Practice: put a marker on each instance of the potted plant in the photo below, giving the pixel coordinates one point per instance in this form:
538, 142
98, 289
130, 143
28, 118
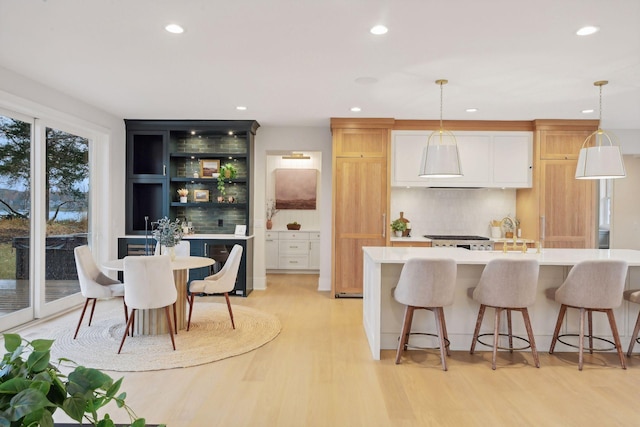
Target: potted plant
168, 234
398, 227
227, 171
32, 388
271, 211
183, 193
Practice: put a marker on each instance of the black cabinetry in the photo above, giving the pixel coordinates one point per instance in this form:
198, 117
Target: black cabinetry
164, 156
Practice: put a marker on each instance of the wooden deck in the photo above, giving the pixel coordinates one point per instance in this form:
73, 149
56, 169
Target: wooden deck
14, 294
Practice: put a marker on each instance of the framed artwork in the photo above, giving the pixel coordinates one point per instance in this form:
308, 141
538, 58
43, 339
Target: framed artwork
296, 188
201, 195
209, 168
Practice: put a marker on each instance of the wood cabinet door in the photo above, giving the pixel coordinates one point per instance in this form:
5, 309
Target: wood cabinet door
361, 142
567, 206
561, 145
360, 217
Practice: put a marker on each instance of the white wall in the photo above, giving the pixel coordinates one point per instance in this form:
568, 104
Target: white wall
28, 97
625, 211
629, 140
277, 140
452, 211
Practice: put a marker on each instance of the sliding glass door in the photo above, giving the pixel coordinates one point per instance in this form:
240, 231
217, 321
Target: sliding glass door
16, 288
44, 215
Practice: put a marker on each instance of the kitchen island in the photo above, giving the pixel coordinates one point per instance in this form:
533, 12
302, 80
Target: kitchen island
382, 315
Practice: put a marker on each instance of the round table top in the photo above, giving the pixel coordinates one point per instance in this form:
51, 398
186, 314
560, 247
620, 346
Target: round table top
179, 263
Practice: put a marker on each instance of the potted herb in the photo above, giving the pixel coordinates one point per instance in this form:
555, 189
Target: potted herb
227, 171
398, 226
32, 388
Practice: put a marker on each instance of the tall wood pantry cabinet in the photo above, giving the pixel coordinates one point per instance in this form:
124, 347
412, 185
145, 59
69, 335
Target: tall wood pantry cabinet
360, 197
559, 210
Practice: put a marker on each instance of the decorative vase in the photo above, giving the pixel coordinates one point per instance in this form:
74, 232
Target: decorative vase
269, 224
183, 199
172, 252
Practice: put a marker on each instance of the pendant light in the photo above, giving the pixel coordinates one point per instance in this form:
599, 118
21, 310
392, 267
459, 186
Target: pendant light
440, 158
603, 160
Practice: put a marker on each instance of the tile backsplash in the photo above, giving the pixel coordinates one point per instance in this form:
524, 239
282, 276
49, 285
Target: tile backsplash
452, 211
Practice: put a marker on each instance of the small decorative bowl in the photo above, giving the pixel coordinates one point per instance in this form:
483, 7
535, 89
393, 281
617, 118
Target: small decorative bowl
293, 226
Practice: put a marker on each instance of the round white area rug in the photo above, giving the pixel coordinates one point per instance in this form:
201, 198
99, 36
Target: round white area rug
210, 338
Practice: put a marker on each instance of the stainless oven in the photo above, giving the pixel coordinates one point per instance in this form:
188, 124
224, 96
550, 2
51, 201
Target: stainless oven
473, 243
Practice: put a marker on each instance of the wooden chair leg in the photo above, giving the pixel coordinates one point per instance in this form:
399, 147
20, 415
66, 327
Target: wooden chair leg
126, 329
444, 329
616, 337
190, 310
496, 336
590, 322
404, 334
476, 332
581, 343
509, 330
556, 332
437, 313
532, 340
636, 329
86, 302
93, 307
226, 296
166, 312
175, 319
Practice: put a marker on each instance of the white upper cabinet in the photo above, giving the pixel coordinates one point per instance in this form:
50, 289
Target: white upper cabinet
488, 159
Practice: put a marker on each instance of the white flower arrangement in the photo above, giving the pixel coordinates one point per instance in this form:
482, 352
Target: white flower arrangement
168, 233
271, 209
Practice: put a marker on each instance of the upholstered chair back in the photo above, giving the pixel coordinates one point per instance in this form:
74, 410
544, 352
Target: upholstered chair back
427, 282
594, 284
148, 282
93, 283
225, 279
508, 283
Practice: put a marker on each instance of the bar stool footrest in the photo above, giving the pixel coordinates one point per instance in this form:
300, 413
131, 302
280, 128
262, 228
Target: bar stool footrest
505, 348
447, 343
613, 345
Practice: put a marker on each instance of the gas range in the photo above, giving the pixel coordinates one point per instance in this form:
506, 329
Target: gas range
474, 243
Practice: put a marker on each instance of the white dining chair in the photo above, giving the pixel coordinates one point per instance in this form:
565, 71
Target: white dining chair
149, 284
94, 284
222, 282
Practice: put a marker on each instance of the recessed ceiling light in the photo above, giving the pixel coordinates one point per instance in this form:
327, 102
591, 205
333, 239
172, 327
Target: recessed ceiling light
589, 111
241, 108
587, 31
379, 30
356, 109
174, 28
471, 110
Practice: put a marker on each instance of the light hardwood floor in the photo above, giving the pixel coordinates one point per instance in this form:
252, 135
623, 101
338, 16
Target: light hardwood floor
319, 372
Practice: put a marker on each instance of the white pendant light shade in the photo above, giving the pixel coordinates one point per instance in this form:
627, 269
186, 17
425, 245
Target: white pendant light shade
603, 160
440, 158
600, 162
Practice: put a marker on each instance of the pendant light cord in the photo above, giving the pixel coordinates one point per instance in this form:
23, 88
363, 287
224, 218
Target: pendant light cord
441, 127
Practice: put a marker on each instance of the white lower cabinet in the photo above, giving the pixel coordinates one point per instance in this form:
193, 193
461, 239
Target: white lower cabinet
292, 250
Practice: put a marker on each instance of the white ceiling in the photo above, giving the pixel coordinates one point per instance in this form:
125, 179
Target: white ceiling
297, 62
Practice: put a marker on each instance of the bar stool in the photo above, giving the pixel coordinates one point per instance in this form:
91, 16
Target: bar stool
427, 284
633, 295
507, 285
591, 286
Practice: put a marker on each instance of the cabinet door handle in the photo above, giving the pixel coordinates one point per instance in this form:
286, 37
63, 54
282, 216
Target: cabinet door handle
206, 252
164, 170
384, 225
543, 226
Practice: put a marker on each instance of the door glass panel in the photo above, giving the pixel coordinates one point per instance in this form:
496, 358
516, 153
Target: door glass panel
67, 198
15, 229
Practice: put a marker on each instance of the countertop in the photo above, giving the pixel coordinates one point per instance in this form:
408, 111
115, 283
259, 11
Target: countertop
424, 240
395, 255
195, 236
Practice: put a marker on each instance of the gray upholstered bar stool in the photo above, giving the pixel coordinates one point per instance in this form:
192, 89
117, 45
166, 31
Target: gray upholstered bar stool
427, 284
591, 286
507, 285
633, 295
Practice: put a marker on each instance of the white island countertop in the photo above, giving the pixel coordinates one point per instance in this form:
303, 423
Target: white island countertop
383, 316
394, 255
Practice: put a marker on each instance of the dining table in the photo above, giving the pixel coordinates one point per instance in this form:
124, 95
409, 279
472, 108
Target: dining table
153, 321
